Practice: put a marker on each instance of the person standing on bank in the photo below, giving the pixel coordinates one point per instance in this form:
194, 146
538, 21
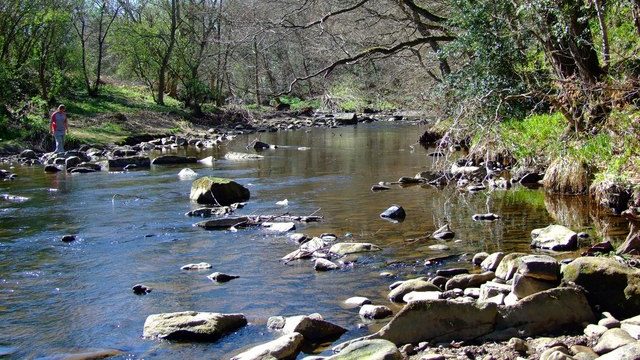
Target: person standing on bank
59, 127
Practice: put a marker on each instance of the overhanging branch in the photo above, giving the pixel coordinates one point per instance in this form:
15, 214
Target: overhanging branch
372, 51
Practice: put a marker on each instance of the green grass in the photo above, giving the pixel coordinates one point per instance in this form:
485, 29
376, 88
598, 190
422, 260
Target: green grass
117, 99
613, 152
535, 137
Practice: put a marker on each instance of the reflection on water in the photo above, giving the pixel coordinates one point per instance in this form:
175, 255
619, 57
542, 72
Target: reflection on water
57, 297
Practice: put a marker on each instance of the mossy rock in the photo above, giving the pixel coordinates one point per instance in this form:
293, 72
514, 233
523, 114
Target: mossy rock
218, 191
610, 286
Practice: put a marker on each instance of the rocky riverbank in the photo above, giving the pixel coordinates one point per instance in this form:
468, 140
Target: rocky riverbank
547, 304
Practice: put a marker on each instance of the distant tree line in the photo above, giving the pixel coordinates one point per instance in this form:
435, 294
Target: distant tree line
485, 59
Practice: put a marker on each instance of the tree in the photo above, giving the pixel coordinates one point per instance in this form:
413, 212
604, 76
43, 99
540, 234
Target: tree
92, 22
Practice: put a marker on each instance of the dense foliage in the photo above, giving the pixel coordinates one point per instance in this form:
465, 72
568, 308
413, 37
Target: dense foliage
486, 60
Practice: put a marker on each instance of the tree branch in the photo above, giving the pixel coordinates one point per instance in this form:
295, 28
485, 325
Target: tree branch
372, 51
327, 16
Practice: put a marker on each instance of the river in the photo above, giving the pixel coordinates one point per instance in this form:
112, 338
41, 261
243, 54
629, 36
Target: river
59, 298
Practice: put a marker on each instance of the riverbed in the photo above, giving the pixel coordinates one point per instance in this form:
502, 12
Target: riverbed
59, 298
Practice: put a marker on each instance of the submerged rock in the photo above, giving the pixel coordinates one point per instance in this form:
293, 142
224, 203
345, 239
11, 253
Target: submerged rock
554, 237
242, 156
212, 190
90, 354
192, 325
222, 223
279, 226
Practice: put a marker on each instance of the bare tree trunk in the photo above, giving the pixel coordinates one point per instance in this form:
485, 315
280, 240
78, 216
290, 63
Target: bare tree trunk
599, 5
257, 69
636, 14
162, 72
218, 76
80, 30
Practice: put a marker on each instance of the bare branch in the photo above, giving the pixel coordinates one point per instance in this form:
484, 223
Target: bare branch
372, 51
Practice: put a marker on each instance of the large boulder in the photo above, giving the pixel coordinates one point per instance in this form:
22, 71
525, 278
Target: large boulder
554, 237
419, 284
284, 347
212, 190
313, 328
192, 325
376, 349
543, 312
438, 321
610, 286
352, 248
172, 159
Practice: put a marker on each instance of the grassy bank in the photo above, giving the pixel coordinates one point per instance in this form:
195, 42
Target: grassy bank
613, 152
121, 111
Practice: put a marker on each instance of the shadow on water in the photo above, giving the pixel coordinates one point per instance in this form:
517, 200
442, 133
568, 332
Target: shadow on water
59, 298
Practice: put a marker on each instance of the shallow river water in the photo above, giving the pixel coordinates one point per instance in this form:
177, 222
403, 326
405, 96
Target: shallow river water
58, 298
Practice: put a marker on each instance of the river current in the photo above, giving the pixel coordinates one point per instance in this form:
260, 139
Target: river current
60, 298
